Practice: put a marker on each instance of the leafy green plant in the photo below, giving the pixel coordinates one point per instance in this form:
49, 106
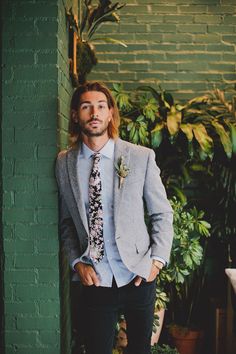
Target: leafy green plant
186, 137
222, 187
195, 145
150, 117
164, 349
93, 15
180, 281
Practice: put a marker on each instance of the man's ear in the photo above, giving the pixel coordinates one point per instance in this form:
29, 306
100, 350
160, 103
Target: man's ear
111, 113
74, 116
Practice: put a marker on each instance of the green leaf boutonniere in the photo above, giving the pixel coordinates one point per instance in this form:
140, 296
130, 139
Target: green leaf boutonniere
122, 170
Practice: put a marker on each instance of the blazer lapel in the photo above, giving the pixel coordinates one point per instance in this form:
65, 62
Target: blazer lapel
120, 150
75, 185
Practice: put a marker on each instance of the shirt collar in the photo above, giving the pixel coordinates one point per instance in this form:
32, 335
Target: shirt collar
107, 150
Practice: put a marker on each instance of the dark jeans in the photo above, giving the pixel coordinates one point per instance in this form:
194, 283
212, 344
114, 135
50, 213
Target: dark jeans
102, 306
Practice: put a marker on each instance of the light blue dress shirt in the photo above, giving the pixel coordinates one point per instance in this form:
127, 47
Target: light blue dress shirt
111, 264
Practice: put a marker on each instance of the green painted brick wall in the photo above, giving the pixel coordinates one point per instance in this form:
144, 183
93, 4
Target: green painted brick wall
36, 90
186, 46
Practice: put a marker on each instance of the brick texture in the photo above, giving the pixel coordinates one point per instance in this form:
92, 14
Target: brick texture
186, 46
36, 90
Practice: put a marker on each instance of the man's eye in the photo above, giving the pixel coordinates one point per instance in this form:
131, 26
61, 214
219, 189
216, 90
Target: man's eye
102, 106
85, 107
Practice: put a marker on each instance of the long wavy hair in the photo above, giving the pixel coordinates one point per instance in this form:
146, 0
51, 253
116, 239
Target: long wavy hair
74, 128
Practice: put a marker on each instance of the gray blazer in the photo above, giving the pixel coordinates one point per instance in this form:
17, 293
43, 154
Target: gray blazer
142, 190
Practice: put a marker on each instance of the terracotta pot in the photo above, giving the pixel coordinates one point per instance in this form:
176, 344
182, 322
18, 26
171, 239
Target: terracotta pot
187, 341
156, 334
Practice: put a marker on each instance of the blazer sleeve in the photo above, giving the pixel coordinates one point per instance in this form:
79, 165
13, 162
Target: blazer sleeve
67, 229
159, 211
68, 233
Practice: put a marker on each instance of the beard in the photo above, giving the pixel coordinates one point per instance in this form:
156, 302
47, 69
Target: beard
91, 131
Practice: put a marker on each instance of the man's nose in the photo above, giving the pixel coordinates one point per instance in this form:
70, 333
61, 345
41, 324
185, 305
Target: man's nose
94, 111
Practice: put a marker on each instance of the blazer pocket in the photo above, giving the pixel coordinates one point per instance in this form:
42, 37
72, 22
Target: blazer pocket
142, 246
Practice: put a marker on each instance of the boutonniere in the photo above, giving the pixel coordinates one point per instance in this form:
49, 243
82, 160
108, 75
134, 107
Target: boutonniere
122, 170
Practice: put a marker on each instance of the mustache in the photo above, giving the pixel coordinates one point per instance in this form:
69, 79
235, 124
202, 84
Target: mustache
94, 119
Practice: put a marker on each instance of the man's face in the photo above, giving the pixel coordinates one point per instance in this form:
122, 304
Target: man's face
93, 113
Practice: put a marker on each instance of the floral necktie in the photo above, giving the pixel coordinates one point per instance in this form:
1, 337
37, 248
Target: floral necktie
96, 240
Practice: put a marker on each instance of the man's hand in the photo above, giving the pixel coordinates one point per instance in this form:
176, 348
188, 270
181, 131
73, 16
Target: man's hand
87, 274
152, 276
154, 273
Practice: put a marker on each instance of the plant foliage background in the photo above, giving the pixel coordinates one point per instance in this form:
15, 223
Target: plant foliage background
195, 145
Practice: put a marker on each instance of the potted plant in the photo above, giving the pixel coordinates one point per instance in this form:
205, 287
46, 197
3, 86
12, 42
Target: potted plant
187, 138
92, 17
179, 284
183, 279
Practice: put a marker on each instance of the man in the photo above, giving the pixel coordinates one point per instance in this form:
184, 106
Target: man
105, 186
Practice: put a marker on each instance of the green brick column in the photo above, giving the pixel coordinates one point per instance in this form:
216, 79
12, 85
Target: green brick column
36, 91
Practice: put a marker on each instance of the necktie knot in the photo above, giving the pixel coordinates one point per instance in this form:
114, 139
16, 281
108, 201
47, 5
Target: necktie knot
96, 158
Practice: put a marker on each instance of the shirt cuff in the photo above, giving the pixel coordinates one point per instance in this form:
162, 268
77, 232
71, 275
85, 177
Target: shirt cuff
160, 260
82, 259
